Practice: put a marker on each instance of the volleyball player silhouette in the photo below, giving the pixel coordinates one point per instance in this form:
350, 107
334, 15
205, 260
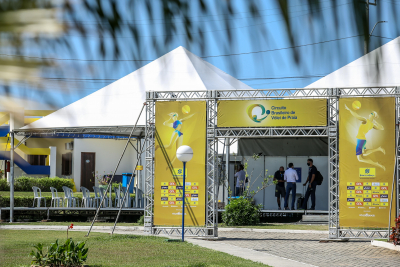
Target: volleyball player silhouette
177, 135
367, 124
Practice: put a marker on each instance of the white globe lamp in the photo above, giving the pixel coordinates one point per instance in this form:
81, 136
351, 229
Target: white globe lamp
184, 153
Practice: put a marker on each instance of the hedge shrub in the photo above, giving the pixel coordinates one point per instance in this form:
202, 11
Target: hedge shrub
4, 185
241, 211
24, 184
22, 201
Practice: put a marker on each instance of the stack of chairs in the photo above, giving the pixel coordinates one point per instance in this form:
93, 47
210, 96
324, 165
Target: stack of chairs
87, 201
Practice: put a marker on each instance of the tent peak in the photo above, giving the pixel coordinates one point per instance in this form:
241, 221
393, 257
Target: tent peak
379, 67
180, 49
119, 103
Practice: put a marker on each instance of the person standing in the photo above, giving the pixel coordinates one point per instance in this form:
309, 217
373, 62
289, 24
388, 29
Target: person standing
290, 177
280, 186
312, 185
240, 181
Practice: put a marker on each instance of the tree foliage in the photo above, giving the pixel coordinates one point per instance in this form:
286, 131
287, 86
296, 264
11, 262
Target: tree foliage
33, 33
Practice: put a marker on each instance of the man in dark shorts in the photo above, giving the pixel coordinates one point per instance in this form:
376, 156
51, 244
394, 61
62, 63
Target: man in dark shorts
280, 186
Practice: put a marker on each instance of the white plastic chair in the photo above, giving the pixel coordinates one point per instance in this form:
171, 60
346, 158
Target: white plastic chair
69, 198
128, 199
97, 198
55, 199
118, 197
86, 199
105, 203
38, 196
140, 199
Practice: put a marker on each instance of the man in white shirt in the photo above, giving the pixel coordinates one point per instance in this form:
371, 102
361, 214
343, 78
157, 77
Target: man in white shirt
290, 178
240, 181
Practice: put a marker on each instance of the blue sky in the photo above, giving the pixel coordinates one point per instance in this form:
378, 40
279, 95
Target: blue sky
252, 68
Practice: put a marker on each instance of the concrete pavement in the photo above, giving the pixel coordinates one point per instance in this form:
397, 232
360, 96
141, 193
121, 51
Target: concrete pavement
306, 248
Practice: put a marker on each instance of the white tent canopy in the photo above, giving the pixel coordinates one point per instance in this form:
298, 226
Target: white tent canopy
380, 67
119, 103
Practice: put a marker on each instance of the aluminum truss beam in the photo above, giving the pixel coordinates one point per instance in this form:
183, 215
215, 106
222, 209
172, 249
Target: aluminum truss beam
290, 93
368, 91
362, 234
333, 163
272, 132
89, 131
212, 167
397, 187
149, 169
189, 231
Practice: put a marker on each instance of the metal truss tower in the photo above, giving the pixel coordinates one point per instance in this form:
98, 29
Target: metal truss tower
215, 133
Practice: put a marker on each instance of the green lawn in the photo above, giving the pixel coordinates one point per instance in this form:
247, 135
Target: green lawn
117, 250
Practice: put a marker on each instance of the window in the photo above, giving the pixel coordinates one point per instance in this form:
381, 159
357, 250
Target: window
66, 164
37, 159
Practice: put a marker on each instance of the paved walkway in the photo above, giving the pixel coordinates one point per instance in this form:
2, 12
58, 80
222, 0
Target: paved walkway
294, 248
306, 248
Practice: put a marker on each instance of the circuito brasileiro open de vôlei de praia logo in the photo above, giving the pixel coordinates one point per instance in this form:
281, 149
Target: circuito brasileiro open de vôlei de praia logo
254, 117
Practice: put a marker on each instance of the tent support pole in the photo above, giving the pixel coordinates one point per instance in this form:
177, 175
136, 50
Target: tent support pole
228, 151
139, 158
116, 168
12, 177
220, 172
135, 148
126, 194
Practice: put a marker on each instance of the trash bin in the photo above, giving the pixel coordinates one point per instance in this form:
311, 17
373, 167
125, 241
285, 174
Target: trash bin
125, 181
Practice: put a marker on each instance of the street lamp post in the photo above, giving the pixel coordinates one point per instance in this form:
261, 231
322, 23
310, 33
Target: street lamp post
367, 39
382, 21
184, 154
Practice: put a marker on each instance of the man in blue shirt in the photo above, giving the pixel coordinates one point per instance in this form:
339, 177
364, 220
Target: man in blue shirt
280, 186
312, 185
290, 177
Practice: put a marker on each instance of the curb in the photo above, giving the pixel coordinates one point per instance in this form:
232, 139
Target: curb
384, 244
289, 231
62, 228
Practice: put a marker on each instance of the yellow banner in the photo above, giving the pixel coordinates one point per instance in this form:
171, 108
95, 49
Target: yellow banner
177, 124
271, 113
367, 157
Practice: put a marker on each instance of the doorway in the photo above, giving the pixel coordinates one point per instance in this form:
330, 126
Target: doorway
88, 164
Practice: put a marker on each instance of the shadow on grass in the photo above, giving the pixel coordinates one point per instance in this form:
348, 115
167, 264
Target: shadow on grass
124, 237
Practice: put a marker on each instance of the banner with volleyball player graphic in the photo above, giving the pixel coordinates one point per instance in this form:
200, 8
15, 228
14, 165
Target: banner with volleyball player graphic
179, 123
367, 157
270, 113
